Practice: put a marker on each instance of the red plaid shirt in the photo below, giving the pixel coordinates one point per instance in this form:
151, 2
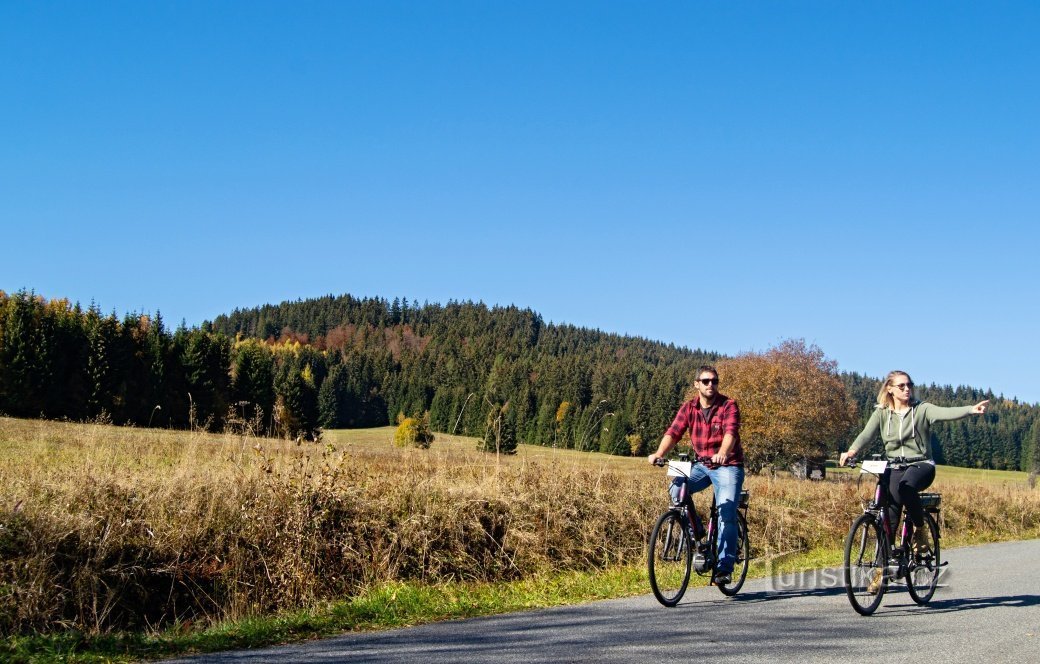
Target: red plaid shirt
706, 434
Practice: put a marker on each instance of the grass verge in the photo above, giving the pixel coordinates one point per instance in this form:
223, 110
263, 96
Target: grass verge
388, 606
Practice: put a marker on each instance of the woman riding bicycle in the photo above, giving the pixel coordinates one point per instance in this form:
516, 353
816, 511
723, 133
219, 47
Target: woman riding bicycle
904, 424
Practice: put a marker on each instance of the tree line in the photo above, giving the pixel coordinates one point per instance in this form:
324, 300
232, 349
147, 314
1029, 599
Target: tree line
343, 362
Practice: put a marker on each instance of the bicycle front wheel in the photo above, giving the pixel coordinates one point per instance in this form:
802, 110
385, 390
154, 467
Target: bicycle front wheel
740, 565
922, 574
669, 558
866, 558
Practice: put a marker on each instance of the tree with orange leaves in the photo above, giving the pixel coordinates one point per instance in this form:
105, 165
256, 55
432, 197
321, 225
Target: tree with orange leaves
793, 404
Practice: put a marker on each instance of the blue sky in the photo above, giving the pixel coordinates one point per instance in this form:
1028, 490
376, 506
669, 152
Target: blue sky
721, 175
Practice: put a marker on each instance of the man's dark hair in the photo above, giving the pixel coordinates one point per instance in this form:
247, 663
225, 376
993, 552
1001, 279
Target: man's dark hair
705, 367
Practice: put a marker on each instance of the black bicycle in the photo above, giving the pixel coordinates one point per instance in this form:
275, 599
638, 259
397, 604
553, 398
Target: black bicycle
679, 544
871, 558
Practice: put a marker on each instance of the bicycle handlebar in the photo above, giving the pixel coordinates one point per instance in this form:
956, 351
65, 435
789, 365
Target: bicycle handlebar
664, 462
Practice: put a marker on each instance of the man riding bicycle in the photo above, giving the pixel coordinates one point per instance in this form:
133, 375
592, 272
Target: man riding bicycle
713, 420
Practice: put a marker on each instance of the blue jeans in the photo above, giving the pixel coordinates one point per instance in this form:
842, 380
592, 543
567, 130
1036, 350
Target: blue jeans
728, 481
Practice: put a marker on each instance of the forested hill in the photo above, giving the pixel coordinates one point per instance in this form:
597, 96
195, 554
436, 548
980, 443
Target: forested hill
560, 380
558, 384
334, 362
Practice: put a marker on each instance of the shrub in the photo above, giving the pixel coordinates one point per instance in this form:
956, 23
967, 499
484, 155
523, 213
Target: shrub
413, 432
635, 444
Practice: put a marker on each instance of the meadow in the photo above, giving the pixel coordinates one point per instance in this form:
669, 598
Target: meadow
108, 530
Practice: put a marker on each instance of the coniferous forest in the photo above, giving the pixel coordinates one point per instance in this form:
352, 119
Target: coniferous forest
341, 362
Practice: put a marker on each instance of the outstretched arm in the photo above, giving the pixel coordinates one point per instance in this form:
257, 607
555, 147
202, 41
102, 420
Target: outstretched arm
947, 413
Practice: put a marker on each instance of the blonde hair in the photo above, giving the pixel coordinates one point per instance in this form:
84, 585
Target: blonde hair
883, 397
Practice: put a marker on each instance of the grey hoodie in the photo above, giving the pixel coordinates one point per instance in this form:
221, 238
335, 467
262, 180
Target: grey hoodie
907, 434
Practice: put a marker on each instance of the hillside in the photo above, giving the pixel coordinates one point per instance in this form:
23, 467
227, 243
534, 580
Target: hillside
446, 353
336, 362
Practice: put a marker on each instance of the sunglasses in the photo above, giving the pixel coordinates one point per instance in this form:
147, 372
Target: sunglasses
903, 386
708, 381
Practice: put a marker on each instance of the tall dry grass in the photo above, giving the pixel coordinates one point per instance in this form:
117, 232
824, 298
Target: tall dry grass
107, 528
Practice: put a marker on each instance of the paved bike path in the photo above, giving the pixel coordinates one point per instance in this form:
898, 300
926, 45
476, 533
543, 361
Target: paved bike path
986, 608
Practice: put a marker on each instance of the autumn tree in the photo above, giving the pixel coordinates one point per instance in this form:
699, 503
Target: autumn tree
413, 432
793, 404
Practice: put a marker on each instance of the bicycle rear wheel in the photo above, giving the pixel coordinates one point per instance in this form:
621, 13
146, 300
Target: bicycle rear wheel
922, 574
740, 565
669, 558
866, 558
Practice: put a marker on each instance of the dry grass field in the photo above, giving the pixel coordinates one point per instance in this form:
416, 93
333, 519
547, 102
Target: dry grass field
105, 528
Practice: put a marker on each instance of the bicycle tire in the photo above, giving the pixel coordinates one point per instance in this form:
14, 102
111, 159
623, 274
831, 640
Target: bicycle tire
866, 562
922, 575
740, 565
669, 558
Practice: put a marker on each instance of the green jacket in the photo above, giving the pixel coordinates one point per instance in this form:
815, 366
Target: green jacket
909, 434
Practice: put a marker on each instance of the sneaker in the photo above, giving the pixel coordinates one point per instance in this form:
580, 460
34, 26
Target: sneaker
875, 582
922, 544
723, 578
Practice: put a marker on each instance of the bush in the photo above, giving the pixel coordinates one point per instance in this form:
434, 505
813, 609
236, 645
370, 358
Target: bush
635, 444
413, 432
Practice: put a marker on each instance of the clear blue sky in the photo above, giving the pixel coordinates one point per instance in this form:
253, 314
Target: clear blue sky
721, 175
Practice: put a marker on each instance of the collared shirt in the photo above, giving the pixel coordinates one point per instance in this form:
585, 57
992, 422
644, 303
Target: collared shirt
706, 434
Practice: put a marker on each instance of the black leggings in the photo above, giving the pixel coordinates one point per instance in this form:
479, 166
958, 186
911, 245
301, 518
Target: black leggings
903, 487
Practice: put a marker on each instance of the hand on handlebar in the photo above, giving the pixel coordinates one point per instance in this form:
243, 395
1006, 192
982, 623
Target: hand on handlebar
656, 460
845, 456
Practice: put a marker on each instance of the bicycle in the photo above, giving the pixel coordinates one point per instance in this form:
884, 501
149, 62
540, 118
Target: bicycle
671, 555
871, 560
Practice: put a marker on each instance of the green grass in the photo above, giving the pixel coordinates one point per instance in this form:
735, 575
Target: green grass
982, 476
956, 474
383, 436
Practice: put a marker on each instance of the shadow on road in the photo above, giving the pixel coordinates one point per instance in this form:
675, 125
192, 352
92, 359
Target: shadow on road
972, 603
772, 595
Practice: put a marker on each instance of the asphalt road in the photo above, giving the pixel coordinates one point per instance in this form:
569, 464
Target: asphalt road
987, 608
